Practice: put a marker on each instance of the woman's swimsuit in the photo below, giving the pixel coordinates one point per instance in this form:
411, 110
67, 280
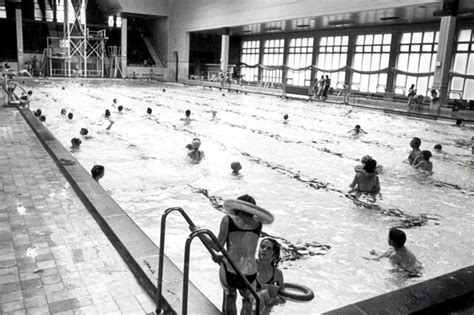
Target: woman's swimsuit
271, 281
234, 280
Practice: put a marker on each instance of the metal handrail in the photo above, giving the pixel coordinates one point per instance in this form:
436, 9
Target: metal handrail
215, 258
213, 238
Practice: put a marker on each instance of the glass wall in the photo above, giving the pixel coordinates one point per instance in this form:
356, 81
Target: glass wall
333, 55
273, 56
417, 54
250, 55
300, 56
372, 52
463, 63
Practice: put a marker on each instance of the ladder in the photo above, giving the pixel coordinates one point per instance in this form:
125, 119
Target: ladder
195, 233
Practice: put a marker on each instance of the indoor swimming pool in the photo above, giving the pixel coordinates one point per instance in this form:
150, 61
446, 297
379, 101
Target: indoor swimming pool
299, 171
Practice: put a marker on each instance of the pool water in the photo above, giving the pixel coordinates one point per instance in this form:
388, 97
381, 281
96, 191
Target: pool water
299, 171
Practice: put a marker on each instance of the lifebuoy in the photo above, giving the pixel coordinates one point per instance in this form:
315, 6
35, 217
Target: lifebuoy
296, 292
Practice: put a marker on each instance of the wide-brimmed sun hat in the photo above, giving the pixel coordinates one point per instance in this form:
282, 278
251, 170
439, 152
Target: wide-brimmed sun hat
263, 215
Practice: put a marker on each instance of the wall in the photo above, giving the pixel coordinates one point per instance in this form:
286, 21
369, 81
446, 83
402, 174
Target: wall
158, 29
197, 15
145, 7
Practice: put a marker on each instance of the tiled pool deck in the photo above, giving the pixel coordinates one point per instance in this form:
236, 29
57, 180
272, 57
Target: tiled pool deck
54, 258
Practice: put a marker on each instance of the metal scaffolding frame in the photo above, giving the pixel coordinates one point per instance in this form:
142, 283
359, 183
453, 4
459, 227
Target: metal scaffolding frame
77, 46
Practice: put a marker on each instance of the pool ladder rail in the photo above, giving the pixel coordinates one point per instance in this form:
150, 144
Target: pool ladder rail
199, 233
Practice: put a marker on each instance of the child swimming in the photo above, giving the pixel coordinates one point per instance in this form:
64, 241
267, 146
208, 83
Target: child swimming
423, 163
236, 167
400, 256
195, 155
367, 181
269, 276
357, 130
415, 144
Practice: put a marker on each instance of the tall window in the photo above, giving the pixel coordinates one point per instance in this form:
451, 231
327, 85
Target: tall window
3, 12
273, 56
300, 56
117, 20
417, 54
372, 53
463, 63
333, 55
59, 11
250, 55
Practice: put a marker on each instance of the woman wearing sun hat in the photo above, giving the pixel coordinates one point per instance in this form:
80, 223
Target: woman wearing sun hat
239, 233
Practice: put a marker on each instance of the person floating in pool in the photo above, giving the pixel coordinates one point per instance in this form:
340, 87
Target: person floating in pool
367, 181
239, 233
357, 130
285, 119
97, 172
194, 154
423, 163
75, 143
360, 168
236, 167
438, 148
400, 256
415, 144
187, 117
269, 276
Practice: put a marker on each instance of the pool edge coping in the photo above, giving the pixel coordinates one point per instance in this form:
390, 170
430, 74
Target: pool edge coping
120, 229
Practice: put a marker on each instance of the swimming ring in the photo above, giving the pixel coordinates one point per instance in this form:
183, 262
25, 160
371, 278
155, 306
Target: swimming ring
296, 292
264, 216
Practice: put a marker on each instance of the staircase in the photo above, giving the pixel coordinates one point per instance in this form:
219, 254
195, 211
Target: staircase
154, 52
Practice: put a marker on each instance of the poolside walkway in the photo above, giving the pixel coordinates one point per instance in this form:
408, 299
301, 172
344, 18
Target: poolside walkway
54, 258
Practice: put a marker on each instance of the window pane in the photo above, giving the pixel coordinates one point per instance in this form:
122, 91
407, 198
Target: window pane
460, 63
378, 39
464, 36
406, 38
416, 39
428, 37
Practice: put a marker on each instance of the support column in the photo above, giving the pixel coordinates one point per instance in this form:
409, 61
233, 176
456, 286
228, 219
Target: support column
124, 45
392, 64
225, 40
19, 37
350, 59
444, 56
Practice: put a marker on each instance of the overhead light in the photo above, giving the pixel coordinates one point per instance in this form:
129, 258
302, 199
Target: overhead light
341, 22
272, 29
389, 18
303, 25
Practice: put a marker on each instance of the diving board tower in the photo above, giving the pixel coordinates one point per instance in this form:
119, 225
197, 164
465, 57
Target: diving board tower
81, 52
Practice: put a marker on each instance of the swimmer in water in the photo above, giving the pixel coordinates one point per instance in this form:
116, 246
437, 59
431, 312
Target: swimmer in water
70, 116
414, 155
367, 181
285, 119
114, 102
269, 276
187, 118
438, 148
357, 130
63, 111
195, 155
97, 172
236, 167
423, 163
400, 256
365, 158
120, 108
75, 143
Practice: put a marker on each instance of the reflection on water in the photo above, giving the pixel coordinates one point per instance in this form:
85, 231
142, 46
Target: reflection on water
299, 171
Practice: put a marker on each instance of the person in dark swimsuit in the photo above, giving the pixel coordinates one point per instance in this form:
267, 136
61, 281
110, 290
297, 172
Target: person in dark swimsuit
239, 234
269, 276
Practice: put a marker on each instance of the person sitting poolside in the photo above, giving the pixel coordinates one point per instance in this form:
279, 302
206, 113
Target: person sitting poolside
367, 181
236, 167
269, 277
194, 154
97, 172
400, 256
423, 163
415, 144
